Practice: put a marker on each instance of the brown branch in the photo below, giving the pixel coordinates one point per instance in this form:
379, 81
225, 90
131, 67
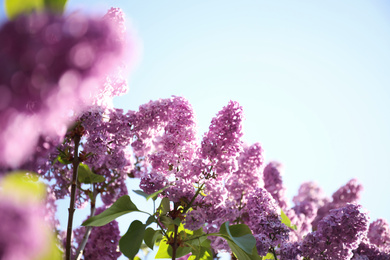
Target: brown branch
71, 209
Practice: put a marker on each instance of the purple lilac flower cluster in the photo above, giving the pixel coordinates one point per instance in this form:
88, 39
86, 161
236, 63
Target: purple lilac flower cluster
263, 218
103, 241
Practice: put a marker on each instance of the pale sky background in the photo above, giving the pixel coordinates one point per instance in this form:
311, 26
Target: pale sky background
312, 76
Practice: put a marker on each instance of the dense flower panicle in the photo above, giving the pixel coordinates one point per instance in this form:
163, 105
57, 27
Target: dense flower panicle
221, 144
165, 136
310, 192
262, 217
248, 176
102, 242
54, 65
369, 251
338, 234
379, 234
349, 193
290, 251
273, 182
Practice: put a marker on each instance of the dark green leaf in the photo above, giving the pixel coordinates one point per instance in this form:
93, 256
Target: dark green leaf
149, 236
203, 253
164, 207
85, 175
131, 242
168, 221
150, 220
180, 251
120, 207
241, 254
241, 235
150, 196
56, 6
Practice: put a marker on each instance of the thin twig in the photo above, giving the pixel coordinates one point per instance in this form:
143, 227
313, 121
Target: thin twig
71, 209
88, 229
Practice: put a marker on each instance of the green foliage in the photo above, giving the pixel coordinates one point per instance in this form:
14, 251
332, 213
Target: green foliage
14, 8
131, 242
57, 6
151, 236
150, 196
240, 240
23, 187
164, 207
269, 256
120, 207
240, 234
64, 157
287, 221
85, 175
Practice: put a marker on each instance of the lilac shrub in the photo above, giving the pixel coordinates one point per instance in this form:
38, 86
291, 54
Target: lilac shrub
217, 193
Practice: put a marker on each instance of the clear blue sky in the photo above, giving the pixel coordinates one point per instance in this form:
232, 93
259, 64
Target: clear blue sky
313, 78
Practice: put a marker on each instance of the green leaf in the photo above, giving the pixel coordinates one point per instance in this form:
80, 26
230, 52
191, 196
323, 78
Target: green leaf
201, 249
241, 235
163, 249
56, 6
120, 207
150, 196
204, 253
149, 236
240, 240
85, 175
164, 207
168, 221
286, 220
150, 220
23, 186
14, 8
131, 242
269, 256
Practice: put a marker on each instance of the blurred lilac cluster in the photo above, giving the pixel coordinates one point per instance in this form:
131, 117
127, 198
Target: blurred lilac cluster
54, 67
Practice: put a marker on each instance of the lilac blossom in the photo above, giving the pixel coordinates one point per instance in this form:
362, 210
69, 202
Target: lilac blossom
338, 234
379, 234
309, 198
248, 176
262, 217
221, 144
55, 65
273, 182
102, 242
369, 251
349, 193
